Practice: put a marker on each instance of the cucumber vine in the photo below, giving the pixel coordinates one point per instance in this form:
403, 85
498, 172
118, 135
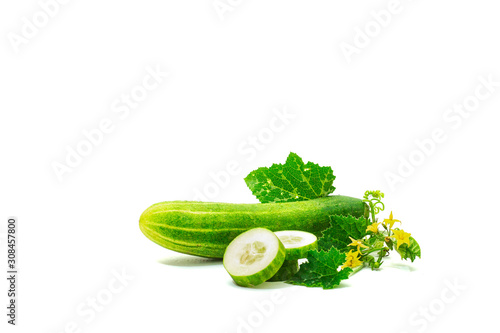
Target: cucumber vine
379, 241
374, 201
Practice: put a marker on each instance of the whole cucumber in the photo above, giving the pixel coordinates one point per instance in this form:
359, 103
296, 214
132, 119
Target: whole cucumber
206, 228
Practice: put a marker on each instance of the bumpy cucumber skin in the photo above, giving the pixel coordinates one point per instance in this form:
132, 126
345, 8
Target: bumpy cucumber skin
266, 273
286, 271
206, 228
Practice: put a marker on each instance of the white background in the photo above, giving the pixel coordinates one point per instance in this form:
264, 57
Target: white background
226, 76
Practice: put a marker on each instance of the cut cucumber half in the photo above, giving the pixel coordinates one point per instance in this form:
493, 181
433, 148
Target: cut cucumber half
254, 256
286, 271
297, 243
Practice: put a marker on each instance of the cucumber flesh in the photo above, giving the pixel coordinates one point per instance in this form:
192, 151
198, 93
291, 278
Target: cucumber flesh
254, 257
297, 243
286, 271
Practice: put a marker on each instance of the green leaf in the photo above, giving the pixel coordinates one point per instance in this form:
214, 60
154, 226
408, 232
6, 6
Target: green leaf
292, 181
410, 252
321, 270
341, 228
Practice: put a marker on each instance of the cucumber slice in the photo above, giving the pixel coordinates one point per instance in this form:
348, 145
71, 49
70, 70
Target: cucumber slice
254, 257
286, 271
297, 243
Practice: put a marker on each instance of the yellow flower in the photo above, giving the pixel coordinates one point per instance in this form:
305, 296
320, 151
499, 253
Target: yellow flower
402, 237
390, 221
352, 260
373, 227
357, 243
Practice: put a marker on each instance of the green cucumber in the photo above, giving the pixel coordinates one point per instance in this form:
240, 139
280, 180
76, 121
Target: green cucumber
297, 243
206, 228
254, 257
286, 271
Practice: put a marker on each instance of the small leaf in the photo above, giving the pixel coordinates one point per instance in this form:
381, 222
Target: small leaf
292, 181
410, 252
322, 270
341, 228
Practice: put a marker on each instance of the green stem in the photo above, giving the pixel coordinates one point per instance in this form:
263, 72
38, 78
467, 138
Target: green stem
373, 250
381, 255
357, 269
372, 207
